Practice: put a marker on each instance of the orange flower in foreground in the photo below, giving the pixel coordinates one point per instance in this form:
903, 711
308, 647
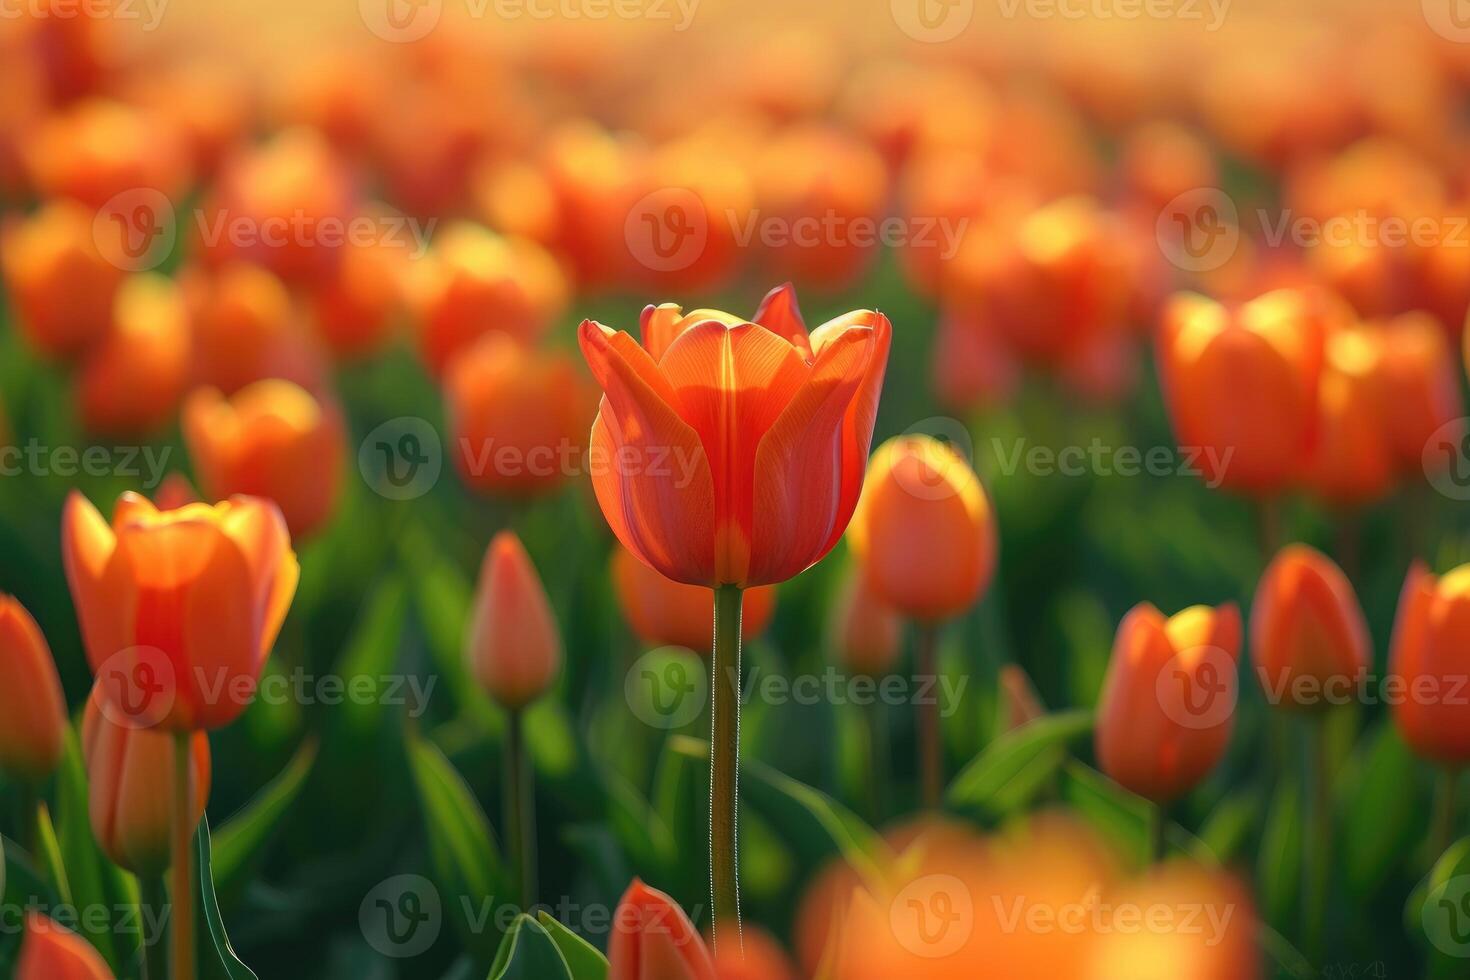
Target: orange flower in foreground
179, 608
32, 707
130, 776
867, 635
924, 531
1430, 658
133, 381
58, 280
513, 646
731, 452
664, 612
1168, 703
51, 951
652, 939
273, 440
1309, 639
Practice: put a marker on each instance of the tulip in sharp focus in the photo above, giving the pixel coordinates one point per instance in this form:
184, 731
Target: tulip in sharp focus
32, 708
1430, 657
1309, 639
1168, 702
867, 634
60, 284
50, 951
132, 382
663, 612
273, 440
653, 939
734, 449
130, 785
514, 646
179, 608
924, 531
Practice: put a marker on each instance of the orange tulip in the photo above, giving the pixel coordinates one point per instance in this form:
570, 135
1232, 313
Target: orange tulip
518, 417
96, 149
246, 329
973, 364
867, 635
652, 939
130, 776
753, 955
924, 531
50, 951
513, 646
133, 381
1168, 703
663, 612
355, 309
58, 280
1430, 659
1272, 347
1354, 460
1309, 639
174, 492
273, 440
32, 707
179, 608
705, 451
1421, 382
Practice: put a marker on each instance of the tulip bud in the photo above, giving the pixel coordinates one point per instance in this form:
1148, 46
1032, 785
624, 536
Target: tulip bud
1168, 703
50, 951
130, 776
514, 646
1430, 640
1019, 703
133, 381
57, 279
653, 939
271, 439
924, 531
1309, 639
867, 635
32, 708
663, 612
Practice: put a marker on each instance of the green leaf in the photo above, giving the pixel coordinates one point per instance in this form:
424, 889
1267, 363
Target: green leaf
372, 652
1009, 774
1279, 871
583, 959
1382, 796
529, 953
1435, 911
1228, 827
231, 964
242, 837
50, 854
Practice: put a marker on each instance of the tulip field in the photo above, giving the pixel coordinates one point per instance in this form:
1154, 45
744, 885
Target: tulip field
696, 490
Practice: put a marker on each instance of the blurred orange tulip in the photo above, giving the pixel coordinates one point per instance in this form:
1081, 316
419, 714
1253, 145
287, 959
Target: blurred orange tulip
58, 280
753, 955
664, 612
1421, 386
924, 531
272, 439
1354, 460
356, 307
32, 706
513, 645
50, 951
246, 329
174, 492
179, 608
1309, 639
973, 364
867, 634
96, 149
1167, 706
1430, 658
519, 418
652, 939
132, 382
130, 776
706, 450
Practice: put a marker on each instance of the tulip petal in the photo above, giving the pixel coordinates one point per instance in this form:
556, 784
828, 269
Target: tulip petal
780, 314
87, 547
659, 326
862, 414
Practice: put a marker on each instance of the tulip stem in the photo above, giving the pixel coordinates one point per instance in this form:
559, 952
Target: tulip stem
1319, 837
1443, 832
152, 907
724, 763
1269, 520
931, 765
520, 808
1158, 826
183, 861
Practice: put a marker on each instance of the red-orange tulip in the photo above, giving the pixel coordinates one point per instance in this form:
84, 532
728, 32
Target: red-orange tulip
97, 149
1168, 703
652, 939
246, 329
729, 452
1430, 658
273, 440
1354, 460
513, 645
58, 280
179, 608
50, 951
924, 531
1309, 640
133, 381
130, 777
664, 612
1421, 382
867, 635
32, 708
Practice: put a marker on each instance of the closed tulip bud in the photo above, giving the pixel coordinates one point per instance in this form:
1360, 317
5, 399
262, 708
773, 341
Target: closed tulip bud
1431, 651
179, 608
133, 381
519, 418
246, 329
514, 646
924, 531
1309, 639
1019, 702
273, 440
867, 635
57, 279
663, 612
50, 951
130, 777
32, 708
652, 939
1168, 701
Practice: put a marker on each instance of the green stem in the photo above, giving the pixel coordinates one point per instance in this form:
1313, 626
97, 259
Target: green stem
1269, 520
27, 829
931, 763
152, 906
876, 781
1158, 825
183, 860
724, 776
1442, 832
520, 809
1319, 840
